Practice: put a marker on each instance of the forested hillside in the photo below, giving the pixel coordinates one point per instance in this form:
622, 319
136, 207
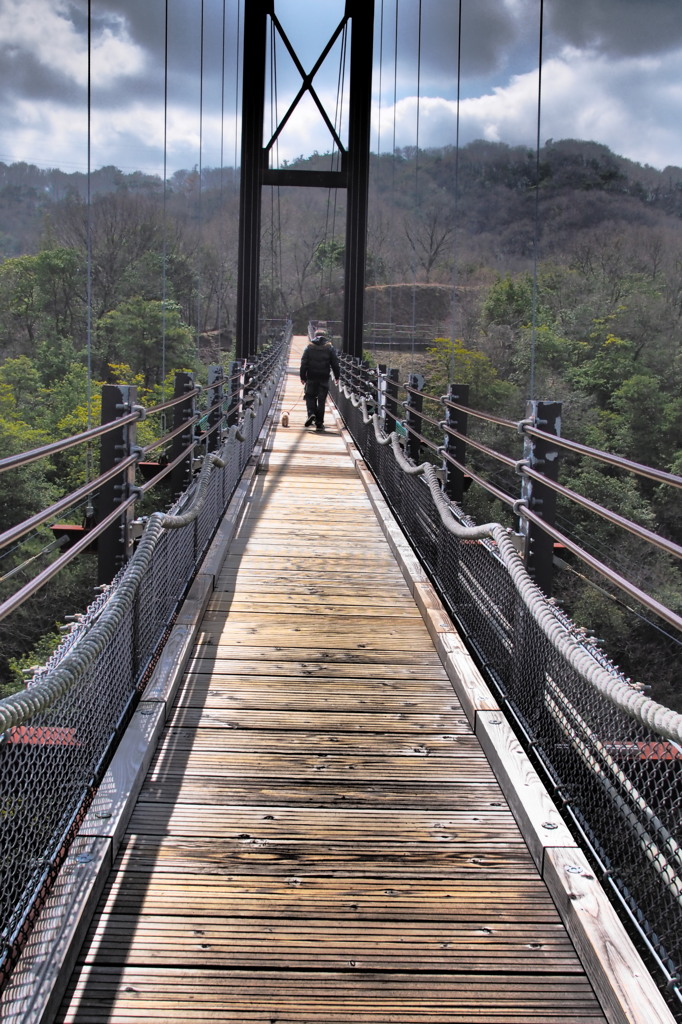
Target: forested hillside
452, 240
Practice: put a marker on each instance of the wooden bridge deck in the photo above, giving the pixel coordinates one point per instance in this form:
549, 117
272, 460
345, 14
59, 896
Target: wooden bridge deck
320, 837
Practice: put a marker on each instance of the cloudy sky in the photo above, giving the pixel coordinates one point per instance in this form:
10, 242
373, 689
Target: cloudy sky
611, 72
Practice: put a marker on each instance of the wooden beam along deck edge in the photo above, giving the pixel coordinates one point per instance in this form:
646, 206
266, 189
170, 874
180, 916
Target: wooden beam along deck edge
625, 989
39, 981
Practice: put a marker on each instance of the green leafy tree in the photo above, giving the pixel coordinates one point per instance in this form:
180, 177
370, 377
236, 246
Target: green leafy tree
647, 421
330, 254
604, 367
138, 331
19, 384
27, 489
509, 302
40, 294
449, 360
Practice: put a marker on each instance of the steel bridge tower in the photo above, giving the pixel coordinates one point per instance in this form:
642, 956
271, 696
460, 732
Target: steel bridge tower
353, 174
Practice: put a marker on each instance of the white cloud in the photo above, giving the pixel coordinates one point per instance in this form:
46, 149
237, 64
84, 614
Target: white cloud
630, 101
45, 29
584, 96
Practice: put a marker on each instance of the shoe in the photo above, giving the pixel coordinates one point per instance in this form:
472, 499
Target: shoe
319, 427
309, 422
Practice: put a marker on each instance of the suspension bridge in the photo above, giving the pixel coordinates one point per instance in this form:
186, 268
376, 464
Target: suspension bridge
322, 748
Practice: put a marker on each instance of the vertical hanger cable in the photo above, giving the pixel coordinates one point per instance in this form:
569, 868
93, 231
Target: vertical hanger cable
200, 169
454, 303
393, 161
88, 447
164, 268
536, 227
221, 243
416, 176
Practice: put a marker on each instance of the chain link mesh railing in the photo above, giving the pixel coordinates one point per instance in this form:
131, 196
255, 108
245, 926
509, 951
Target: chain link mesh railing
612, 757
57, 735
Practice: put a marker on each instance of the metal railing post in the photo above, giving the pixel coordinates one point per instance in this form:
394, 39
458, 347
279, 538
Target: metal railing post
216, 394
114, 546
543, 456
182, 412
454, 446
413, 419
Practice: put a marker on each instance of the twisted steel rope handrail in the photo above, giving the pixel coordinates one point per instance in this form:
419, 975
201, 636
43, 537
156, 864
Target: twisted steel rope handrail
648, 712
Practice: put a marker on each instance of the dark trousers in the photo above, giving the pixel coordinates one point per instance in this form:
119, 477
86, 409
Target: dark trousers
316, 392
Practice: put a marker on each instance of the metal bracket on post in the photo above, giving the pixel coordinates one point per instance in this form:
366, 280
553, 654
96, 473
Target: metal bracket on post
216, 395
456, 420
543, 456
183, 412
380, 391
413, 419
391, 400
366, 381
115, 545
249, 384
236, 395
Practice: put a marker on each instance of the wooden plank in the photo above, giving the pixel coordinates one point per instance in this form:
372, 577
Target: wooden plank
623, 984
207, 789
354, 825
297, 604
352, 563
384, 579
330, 694
310, 721
277, 943
467, 681
214, 733
314, 660
533, 808
321, 997
272, 766
289, 693
389, 859
340, 631
311, 897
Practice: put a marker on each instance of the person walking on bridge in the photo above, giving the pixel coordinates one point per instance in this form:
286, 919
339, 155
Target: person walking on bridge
319, 359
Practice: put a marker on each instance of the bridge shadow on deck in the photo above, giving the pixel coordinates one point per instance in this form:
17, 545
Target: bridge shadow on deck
319, 837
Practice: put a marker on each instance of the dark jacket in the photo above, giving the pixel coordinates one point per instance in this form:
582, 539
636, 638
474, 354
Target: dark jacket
318, 361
